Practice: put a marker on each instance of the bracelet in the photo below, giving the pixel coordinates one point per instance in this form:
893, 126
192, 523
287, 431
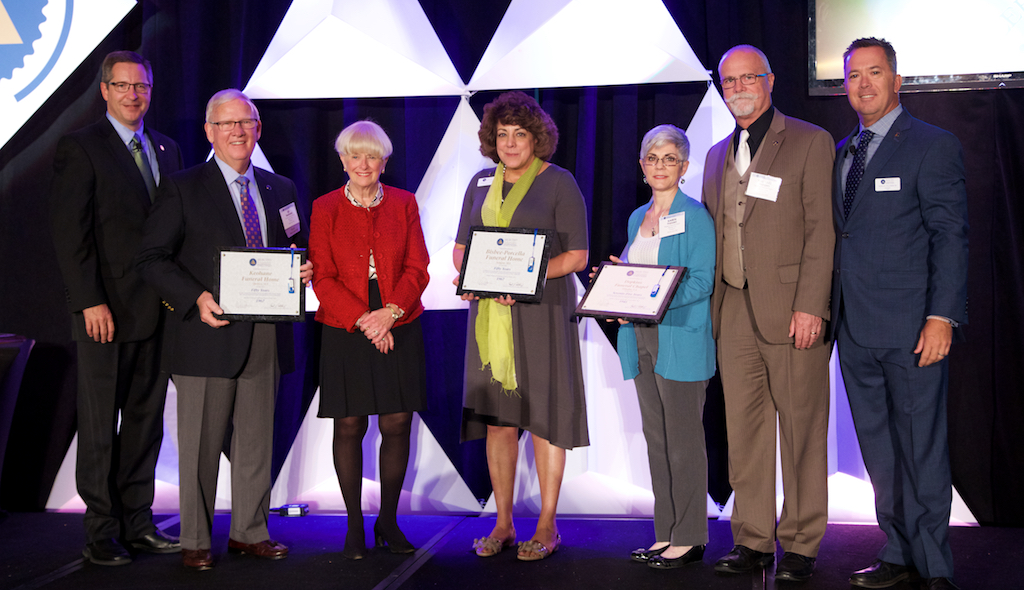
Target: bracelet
396, 312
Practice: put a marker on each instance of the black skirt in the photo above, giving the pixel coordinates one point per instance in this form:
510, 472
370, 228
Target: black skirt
358, 380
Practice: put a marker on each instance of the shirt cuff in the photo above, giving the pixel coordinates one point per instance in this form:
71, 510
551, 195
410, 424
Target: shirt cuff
945, 319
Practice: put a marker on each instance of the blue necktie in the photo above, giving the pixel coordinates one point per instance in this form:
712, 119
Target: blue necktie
250, 217
856, 170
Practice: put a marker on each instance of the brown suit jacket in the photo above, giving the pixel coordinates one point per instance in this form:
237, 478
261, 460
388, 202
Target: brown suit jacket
788, 244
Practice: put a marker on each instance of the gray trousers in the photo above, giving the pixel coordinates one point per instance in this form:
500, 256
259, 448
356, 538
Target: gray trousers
206, 406
672, 413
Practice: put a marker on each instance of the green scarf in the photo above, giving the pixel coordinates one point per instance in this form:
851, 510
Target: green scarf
494, 320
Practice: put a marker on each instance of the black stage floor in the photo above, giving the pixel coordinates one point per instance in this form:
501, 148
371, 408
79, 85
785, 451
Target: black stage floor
43, 550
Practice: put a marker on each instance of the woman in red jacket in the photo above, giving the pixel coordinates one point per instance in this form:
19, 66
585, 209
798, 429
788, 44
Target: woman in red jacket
371, 269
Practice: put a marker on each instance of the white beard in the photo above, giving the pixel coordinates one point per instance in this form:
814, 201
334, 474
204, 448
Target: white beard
742, 110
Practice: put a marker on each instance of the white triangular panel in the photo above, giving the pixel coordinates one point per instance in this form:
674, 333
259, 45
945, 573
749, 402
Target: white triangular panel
440, 291
432, 485
543, 44
354, 49
66, 38
710, 124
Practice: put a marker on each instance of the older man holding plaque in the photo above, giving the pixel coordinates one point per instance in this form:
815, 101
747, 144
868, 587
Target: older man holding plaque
225, 372
523, 366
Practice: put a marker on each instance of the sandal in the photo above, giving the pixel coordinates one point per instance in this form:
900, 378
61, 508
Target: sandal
534, 550
489, 546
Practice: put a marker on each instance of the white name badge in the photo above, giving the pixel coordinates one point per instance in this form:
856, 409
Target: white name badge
763, 186
485, 181
670, 225
290, 219
887, 185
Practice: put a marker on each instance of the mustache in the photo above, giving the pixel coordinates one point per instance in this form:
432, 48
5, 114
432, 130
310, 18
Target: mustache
740, 96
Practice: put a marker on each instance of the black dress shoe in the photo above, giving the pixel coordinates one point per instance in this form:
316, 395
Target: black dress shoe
694, 555
156, 542
743, 560
794, 567
941, 584
106, 552
880, 574
642, 555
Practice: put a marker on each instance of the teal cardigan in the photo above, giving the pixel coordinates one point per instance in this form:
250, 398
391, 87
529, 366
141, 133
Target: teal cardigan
686, 350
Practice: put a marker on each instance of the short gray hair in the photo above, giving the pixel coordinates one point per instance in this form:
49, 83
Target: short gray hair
226, 96
760, 54
663, 134
364, 137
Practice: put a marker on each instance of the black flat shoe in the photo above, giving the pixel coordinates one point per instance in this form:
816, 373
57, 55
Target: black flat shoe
392, 538
694, 555
642, 555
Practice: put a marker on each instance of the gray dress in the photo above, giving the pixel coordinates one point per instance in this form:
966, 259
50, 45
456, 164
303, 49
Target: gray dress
550, 401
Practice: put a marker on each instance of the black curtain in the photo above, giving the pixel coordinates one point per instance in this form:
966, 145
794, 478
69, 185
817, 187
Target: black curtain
198, 48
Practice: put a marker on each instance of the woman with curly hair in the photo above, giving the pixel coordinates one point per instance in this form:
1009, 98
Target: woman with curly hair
523, 365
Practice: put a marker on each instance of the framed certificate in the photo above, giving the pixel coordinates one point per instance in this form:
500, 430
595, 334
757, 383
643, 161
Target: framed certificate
261, 285
506, 261
634, 292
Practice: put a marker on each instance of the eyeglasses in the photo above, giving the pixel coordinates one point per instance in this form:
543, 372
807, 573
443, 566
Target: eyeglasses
748, 79
140, 87
669, 161
230, 125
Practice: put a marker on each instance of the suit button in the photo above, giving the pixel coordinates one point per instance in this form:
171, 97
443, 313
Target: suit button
741, 224
846, 234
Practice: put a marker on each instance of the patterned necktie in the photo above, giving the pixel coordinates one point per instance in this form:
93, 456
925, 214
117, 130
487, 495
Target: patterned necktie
743, 153
143, 163
856, 170
250, 217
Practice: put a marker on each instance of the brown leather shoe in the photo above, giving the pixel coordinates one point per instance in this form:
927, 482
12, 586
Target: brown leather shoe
197, 559
269, 549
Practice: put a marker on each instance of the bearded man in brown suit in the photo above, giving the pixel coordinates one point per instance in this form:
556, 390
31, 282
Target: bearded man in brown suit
768, 188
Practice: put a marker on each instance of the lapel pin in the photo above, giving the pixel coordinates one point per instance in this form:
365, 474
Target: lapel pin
268, 187
161, 147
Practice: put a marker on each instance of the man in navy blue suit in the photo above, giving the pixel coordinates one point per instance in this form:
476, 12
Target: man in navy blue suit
900, 285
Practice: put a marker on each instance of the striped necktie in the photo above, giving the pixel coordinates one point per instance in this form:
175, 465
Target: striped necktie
142, 161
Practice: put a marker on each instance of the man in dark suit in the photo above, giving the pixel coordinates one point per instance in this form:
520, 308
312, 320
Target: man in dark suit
105, 178
900, 288
767, 188
225, 373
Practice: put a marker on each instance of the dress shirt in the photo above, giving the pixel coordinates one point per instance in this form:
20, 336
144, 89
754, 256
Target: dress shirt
880, 129
127, 135
757, 130
230, 176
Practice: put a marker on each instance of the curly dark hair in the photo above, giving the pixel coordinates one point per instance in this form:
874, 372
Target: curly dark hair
517, 108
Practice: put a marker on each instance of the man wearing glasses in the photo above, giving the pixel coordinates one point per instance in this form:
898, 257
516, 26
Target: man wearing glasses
226, 373
768, 188
105, 179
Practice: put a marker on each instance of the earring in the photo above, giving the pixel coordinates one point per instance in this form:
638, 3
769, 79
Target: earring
645, 180
682, 181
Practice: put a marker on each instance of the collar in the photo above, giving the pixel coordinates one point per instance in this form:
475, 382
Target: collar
757, 130
882, 126
376, 199
231, 175
125, 133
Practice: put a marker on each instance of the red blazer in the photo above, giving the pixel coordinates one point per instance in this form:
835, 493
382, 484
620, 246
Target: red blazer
341, 236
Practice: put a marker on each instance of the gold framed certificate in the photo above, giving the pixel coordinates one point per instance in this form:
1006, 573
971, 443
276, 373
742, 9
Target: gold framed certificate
634, 292
261, 285
506, 261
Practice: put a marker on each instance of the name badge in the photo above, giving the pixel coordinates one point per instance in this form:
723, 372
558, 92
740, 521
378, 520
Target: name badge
670, 225
887, 185
290, 219
763, 186
485, 181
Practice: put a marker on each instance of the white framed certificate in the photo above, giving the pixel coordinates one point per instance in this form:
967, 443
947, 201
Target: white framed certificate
261, 285
503, 261
634, 292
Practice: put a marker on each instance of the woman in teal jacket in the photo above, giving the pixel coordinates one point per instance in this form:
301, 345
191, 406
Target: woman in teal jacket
671, 362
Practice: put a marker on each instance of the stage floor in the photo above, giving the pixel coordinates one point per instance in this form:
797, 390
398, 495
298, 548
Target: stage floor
43, 550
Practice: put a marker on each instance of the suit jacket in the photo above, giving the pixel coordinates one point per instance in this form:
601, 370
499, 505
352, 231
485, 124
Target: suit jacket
98, 204
788, 244
193, 218
902, 255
